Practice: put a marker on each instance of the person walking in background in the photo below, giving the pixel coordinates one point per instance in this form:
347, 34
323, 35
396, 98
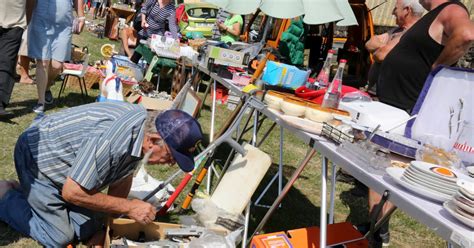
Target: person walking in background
440, 37
52, 37
155, 14
24, 60
230, 29
14, 16
95, 9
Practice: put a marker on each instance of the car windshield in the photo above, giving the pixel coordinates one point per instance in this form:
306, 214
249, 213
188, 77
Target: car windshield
202, 13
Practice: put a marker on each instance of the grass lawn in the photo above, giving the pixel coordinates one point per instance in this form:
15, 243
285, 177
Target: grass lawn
299, 209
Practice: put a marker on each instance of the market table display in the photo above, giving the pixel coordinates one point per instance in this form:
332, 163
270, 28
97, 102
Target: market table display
431, 214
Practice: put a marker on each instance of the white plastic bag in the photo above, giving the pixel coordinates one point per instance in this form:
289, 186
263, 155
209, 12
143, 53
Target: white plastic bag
211, 216
143, 184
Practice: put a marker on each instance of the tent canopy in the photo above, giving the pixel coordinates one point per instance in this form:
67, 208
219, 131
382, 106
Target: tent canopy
314, 11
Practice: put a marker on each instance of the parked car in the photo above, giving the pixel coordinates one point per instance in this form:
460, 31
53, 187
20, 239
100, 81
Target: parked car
197, 17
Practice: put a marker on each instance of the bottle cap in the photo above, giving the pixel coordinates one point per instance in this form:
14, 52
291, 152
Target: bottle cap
332, 51
343, 61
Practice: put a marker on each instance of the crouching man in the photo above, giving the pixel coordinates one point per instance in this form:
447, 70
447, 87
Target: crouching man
65, 160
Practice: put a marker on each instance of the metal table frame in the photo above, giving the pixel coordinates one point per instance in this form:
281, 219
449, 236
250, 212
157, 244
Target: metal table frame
442, 223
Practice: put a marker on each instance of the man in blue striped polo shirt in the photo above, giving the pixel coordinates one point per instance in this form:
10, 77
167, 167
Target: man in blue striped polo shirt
64, 161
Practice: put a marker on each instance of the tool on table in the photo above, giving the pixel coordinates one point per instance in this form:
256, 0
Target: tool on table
401, 123
450, 123
184, 232
461, 106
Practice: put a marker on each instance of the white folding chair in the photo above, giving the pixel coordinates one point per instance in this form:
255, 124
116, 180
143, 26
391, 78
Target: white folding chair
79, 74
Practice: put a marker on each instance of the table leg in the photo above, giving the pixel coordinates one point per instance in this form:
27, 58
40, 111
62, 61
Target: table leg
333, 193
323, 211
310, 153
246, 225
280, 163
211, 134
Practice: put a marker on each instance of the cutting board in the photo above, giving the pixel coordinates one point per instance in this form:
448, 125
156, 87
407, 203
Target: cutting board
241, 180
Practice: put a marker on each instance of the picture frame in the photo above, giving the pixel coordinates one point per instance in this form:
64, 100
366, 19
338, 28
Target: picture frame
191, 103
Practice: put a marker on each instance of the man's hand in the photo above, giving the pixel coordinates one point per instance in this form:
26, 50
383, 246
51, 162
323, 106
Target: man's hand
222, 26
81, 24
145, 25
142, 212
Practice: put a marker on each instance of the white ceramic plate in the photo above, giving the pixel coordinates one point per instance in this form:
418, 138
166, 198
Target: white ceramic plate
439, 171
451, 208
434, 170
421, 186
432, 180
467, 188
396, 174
429, 185
459, 202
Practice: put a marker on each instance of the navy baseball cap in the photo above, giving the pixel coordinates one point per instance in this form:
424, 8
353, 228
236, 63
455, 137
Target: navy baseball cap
180, 132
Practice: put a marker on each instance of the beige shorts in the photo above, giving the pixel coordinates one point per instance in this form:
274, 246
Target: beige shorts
24, 44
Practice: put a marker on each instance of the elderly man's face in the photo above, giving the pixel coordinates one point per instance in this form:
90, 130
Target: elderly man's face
400, 12
160, 151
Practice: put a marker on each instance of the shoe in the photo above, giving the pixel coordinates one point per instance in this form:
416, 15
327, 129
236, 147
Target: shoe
39, 108
48, 97
385, 237
4, 113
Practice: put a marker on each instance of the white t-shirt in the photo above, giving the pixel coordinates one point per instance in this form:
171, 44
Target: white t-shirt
13, 14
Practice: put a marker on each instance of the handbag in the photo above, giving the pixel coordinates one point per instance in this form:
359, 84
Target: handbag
137, 19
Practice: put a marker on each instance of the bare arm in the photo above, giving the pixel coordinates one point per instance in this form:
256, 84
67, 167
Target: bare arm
459, 31
30, 6
235, 30
140, 211
382, 52
172, 25
79, 6
376, 42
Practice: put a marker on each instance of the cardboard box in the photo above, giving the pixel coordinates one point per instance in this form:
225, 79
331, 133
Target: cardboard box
118, 228
131, 230
309, 237
150, 103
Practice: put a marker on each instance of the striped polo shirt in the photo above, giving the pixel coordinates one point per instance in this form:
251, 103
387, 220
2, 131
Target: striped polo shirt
95, 144
157, 18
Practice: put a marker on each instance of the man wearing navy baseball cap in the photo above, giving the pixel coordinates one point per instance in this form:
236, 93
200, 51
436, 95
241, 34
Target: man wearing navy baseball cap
65, 160
177, 134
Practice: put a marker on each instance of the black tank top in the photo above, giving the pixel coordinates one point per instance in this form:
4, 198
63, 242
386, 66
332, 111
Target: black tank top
406, 67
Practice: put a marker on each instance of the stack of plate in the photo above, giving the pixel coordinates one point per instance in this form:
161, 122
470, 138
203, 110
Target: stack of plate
470, 170
428, 180
461, 206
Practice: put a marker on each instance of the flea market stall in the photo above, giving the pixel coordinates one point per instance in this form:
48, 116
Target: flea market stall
418, 164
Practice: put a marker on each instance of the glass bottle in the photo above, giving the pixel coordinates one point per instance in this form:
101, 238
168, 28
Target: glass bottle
323, 77
333, 94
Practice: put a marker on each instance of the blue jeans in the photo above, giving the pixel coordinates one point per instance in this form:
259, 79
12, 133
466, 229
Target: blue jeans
38, 209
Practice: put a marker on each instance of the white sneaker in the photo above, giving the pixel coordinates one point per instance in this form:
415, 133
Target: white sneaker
39, 108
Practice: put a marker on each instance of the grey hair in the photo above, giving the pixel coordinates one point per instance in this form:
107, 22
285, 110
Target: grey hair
415, 6
150, 126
